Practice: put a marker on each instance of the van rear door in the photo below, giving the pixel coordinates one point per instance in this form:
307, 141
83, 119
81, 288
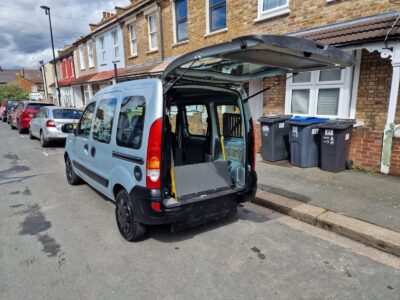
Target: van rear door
256, 56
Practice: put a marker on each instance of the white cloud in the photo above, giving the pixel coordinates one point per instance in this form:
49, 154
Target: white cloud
24, 27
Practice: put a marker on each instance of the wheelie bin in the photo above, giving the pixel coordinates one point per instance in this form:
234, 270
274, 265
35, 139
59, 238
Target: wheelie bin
335, 144
274, 137
304, 141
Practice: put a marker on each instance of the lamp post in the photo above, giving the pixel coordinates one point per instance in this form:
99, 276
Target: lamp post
47, 10
115, 71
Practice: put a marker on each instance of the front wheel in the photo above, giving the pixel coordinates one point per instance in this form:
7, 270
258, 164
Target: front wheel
72, 177
128, 226
30, 134
20, 129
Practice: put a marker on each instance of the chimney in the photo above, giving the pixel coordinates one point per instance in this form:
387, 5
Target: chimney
22, 73
93, 27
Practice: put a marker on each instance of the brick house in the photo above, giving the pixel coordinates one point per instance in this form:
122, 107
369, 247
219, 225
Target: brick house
367, 92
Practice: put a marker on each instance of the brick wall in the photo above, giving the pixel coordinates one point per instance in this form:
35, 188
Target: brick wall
241, 16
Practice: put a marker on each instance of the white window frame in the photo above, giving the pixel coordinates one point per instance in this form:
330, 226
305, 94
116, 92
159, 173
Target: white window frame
81, 58
86, 100
90, 54
154, 15
134, 50
175, 23
344, 85
102, 49
271, 13
208, 19
115, 39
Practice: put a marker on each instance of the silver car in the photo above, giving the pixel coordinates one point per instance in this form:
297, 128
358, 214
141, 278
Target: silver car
46, 124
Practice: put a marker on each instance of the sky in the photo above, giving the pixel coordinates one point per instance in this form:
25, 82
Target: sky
25, 33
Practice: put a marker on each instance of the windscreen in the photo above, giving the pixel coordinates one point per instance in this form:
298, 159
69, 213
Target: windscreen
66, 114
37, 105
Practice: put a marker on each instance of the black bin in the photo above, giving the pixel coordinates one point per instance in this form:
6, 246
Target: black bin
274, 137
335, 144
304, 141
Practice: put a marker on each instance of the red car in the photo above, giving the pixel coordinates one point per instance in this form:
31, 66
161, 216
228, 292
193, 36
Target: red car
23, 114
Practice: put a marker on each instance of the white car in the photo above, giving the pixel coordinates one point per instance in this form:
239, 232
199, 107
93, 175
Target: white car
46, 124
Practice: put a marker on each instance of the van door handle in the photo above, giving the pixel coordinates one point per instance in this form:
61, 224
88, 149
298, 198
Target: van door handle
93, 151
86, 147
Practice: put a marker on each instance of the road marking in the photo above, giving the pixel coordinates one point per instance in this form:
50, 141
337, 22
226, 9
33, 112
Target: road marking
44, 153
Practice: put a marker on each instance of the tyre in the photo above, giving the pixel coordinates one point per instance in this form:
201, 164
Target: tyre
20, 129
43, 142
4, 119
128, 226
30, 134
11, 125
72, 177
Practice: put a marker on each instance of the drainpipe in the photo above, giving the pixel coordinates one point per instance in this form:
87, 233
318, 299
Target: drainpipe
161, 30
389, 127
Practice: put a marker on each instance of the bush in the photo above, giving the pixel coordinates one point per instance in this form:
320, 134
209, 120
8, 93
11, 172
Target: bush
12, 91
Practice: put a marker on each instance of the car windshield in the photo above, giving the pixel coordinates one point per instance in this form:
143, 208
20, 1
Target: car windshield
11, 104
37, 105
66, 114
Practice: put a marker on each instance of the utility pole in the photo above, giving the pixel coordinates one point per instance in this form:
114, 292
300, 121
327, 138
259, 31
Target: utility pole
43, 69
47, 10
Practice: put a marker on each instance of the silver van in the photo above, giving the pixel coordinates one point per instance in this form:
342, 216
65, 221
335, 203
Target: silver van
180, 150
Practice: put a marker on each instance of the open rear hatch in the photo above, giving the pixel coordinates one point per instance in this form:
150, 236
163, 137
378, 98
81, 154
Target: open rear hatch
240, 60
256, 56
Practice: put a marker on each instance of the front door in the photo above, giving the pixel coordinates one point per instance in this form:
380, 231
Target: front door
102, 142
81, 148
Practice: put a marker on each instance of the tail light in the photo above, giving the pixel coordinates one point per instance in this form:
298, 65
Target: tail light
153, 162
253, 141
50, 123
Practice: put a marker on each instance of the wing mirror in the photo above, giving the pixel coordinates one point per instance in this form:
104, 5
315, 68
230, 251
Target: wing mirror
68, 128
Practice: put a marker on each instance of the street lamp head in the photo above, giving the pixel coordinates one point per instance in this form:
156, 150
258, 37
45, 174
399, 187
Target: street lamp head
46, 8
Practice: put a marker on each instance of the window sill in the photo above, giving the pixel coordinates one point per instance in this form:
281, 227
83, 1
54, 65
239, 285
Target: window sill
116, 60
216, 32
103, 64
133, 56
273, 13
91, 67
152, 51
177, 44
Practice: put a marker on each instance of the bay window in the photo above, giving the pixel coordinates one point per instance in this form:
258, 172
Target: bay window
319, 93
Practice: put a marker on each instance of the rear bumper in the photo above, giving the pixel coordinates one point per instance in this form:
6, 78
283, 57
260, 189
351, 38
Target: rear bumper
54, 134
25, 122
182, 216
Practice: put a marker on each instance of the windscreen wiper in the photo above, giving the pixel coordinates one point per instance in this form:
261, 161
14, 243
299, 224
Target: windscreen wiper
267, 88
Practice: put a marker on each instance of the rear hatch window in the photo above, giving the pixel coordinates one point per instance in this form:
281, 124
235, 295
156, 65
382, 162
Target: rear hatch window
66, 114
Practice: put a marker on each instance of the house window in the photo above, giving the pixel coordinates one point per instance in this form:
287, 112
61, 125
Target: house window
272, 8
34, 89
319, 93
181, 20
90, 54
81, 58
152, 23
217, 15
114, 35
132, 36
86, 93
102, 49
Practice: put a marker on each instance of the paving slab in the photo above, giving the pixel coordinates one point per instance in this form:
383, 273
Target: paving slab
373, 198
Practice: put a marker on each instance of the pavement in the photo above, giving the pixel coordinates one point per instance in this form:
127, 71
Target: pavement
373, 198
61, 242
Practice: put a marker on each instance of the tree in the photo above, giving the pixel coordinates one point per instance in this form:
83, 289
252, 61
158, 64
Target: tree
12, 91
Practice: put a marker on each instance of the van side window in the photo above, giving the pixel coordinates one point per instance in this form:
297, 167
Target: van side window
103, 123
85, 123
229, 121
131, 122
196, 116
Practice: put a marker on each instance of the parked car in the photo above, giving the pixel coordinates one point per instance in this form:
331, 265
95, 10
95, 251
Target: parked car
181, 150
11, 109
5, 107
46, 123
21, 116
